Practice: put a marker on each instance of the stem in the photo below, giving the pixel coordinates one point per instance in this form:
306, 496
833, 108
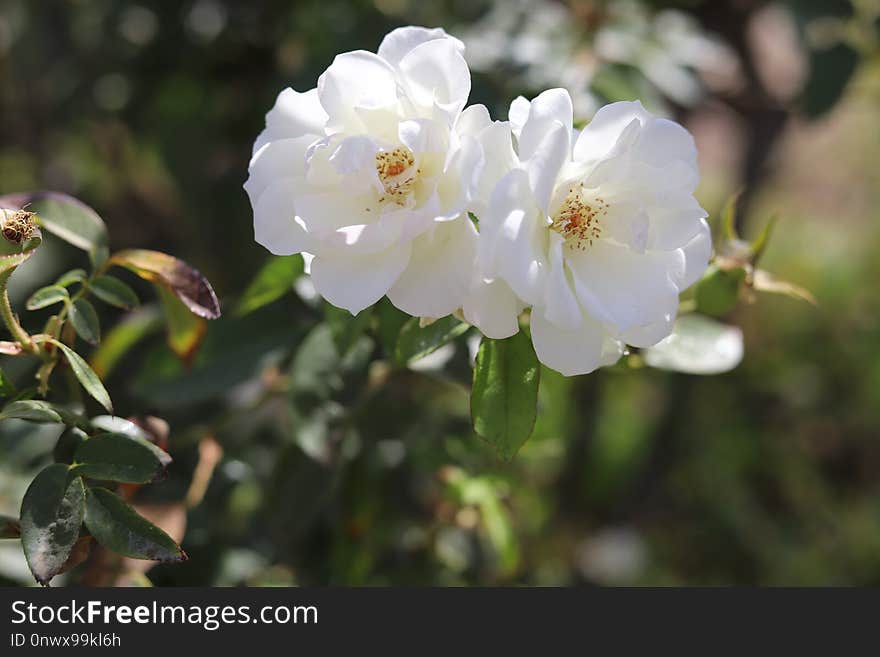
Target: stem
11, 321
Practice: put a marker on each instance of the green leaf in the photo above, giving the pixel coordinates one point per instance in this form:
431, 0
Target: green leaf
759, 244
51, 516
185, 282
389, 322
116, 424
717, 292
728, 218
272, 282
113, 291
47, 296
68, 442
346, 328
416, 342
32, 410
119, 528
9, 527
697, 345
73, 276
85, 321
86, 376
185, 330
504, 399
66, 217
120, 457
134, 328
7, 387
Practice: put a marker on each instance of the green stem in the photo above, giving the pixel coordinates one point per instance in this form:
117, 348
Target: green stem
11, 321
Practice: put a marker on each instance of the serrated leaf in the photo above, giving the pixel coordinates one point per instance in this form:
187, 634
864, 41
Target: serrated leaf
697, 345
47, 296
416, 342
32, 410
86, 376
504, 398
717, 292
71, 277
9, 527
120, 457
51, 516
85, 321
119, 528
65, 217
113, 291
184, 281
273, 281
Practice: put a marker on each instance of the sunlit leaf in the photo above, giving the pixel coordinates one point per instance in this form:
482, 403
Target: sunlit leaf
415, 341
86, 376
73, 276
504, 398
113, 291
119, 528
185, 330
47, 296
51, 516
698, 345
116, 424
32, 410
184, 281
273, 281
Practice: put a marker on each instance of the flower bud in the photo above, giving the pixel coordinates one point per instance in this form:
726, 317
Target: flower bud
17, 226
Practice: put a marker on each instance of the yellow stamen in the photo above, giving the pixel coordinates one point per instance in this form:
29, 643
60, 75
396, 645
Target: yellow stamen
578, 221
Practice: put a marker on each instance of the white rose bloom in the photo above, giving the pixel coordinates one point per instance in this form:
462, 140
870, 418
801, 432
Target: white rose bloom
599, 231
373, 173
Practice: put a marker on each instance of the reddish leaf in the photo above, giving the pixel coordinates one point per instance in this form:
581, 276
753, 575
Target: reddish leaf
184, 281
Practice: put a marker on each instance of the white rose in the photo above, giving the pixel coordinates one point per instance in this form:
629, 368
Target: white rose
373, 173
598, 232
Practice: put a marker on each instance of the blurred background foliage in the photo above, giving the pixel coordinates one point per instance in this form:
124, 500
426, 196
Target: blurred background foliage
304, 455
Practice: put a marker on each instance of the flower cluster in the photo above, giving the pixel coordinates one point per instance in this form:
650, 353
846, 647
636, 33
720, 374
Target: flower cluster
379, 172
